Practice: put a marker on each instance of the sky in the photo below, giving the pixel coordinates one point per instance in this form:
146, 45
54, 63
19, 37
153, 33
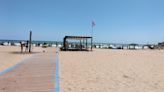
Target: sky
117, 21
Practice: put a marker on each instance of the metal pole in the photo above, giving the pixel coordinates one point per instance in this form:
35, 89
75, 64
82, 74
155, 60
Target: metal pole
30, 41
86, 45
80, 45
92, 38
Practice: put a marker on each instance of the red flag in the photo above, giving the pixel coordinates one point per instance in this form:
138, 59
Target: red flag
93, 24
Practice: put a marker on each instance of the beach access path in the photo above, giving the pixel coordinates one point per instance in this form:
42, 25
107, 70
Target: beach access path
35, 75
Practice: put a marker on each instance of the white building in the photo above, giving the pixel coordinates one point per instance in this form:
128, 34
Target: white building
125, 47
5, 43
17, 44
145, 47
53, 45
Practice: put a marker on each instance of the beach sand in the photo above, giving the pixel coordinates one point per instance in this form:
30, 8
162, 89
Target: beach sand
10, 55
112, 71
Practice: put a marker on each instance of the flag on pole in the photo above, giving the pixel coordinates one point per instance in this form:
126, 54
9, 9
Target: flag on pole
93, 24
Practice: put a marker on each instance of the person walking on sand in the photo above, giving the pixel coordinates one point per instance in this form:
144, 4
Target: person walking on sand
27, 45
22, 45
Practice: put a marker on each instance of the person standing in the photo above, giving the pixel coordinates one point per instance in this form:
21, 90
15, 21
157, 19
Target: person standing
27, 45
22, 45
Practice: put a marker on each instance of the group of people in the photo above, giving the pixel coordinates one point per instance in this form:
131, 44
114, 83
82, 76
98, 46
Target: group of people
24, 44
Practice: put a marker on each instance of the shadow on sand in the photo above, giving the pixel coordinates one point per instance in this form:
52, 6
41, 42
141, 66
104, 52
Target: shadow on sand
18, 52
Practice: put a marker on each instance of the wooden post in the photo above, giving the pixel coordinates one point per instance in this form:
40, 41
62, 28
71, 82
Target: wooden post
30, 41
64, 44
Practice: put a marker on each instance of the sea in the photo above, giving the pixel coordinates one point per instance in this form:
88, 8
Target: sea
33, 42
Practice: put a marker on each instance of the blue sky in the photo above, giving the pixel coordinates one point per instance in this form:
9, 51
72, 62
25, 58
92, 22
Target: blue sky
117, 21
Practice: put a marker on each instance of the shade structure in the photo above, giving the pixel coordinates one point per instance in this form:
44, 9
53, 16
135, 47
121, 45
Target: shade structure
81, 45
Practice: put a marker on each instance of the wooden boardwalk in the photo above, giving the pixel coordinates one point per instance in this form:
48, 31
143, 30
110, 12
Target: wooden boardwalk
35, 75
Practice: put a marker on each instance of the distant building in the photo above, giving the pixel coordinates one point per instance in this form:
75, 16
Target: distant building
17, 44
5, 43
160, 46
145, 47
34, 45
54, 45
125, 47
133, 46
97, 46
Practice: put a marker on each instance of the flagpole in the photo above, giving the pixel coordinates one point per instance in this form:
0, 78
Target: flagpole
93, 24
92, 38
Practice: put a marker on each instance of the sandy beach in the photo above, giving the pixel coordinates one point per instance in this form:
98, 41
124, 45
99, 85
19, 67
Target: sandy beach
101, 70
112, 71
10, 55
